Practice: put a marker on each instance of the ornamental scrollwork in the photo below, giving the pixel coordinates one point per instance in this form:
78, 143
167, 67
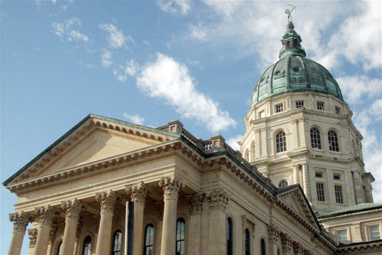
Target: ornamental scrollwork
196, 203
138, 192
107, 200
72, 209
171, 187
218, 200
20, 220
46, 215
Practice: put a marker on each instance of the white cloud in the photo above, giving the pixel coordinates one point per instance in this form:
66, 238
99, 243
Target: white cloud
106, 58
357, 89
233, 142
131, 68
175, 6
134, 118
359, 37
115, 37
170, 81
198, 31
66, 31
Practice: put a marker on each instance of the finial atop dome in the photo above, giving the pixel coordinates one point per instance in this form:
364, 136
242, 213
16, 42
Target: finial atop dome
291, 41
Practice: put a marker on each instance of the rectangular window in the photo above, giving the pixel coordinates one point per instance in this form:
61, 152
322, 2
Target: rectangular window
374, 233
279, 108
337, 177
338, 192
320, 192
318, 175
320, 106
261, 114
342, 237
299, 104
338, 110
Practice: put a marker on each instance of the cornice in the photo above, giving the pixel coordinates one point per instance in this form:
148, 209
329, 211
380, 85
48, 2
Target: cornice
360, 246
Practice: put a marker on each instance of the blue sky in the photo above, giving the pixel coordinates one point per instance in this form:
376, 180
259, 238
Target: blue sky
150, 62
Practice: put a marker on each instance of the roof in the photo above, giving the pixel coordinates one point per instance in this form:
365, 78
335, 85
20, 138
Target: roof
67, 134
352, 209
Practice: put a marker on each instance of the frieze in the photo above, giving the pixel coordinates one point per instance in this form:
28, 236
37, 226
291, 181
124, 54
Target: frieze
218, 200
20, 220
171, 187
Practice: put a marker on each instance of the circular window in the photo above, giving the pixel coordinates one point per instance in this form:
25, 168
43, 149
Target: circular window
283, 183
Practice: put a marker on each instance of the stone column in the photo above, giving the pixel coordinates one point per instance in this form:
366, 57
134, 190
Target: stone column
171, 188
72, 211
306, 181
138, 196
273, 237
358, 189
287, 245
218, 201
107, 201
296, 177
20, 222
196, 207
45, 215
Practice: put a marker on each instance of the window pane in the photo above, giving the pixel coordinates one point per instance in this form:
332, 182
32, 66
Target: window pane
320, 192
263, 248
247, 240
315, 138
280, 142
117, 241
180, 229
229, 237
149, 240
374, 233
342, 237
333, 141
87, 246
338, 192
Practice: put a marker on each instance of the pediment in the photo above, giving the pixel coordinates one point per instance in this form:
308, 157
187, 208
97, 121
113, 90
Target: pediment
295, 200
93, 139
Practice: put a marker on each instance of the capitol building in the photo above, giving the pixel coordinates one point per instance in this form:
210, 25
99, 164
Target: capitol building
296, 186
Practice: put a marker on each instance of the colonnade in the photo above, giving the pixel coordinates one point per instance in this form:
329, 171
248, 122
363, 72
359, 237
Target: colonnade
107, 201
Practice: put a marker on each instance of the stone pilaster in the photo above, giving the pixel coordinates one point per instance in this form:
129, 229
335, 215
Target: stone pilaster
45, 215
72, 211
107, 202
218, 200
32, 233
171, 188
306, 181
273, 236
20, 221
287, 244
358, 188
138, 196
196, 208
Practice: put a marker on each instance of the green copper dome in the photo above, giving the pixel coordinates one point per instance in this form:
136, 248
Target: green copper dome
294, 72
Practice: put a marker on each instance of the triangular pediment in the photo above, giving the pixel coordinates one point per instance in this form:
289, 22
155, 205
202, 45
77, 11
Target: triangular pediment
93, 139
294, 198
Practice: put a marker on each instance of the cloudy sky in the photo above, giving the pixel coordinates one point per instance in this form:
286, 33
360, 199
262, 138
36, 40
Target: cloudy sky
150, 62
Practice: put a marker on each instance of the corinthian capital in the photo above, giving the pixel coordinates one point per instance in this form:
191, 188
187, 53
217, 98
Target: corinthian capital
72, 209
107, 200
20, 220
46, 214
171, 187
138, 192
218, 200
196, 203
273, 233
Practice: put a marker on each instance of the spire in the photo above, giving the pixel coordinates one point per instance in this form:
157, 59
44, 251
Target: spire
291, 41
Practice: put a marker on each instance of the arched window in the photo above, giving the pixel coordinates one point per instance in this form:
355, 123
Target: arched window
283, 183
58, 248
117, 243
247, 242
263, 248
280, 142
315, 138
149, 240
333, 141
229, 237
180, 229
87, 246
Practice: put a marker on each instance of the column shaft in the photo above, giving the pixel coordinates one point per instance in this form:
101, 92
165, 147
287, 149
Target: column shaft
107, 201
20, 222
16, 243
171, 189
72, 210
46, 215
306, 184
